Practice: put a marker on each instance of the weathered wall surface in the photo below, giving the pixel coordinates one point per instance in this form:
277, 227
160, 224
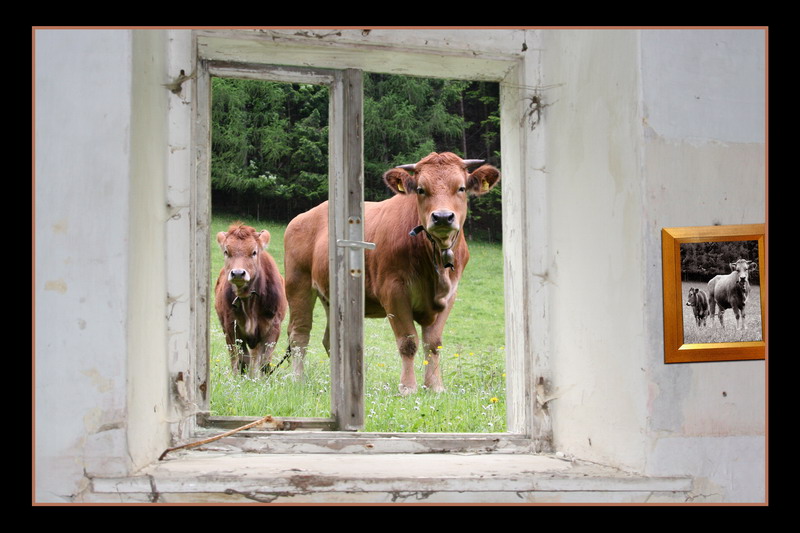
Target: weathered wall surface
596, 218
83, 109
650, 129
100, 351
147, 308
703, 97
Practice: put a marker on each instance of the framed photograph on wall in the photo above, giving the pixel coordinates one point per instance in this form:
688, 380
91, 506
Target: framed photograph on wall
715, 293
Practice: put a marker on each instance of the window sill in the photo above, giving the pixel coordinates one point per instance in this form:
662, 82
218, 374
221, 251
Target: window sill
223, 477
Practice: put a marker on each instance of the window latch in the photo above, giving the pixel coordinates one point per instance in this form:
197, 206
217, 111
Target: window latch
356, 245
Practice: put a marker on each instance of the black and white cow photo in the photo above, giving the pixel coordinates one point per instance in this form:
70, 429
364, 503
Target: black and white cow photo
721, 292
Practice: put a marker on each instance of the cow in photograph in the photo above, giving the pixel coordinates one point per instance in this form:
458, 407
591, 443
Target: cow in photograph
413, 272
250, 298
730, 291
698, 301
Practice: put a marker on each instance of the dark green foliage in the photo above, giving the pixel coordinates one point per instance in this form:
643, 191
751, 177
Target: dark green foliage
270, 140
701, 261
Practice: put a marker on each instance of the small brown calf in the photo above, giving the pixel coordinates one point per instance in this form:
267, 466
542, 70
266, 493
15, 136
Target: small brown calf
250, 297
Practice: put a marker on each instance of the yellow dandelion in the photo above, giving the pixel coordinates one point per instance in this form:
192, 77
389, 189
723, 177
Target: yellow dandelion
471, 353
425, 362
438, 347
494, 399
455, 355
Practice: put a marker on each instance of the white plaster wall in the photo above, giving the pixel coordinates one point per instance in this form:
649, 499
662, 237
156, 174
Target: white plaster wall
649, 129
99, 217
703, 95
148, 387
83, 83
598, 340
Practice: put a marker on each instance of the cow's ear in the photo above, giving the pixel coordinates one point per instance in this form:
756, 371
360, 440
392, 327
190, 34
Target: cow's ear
733, 266
482, 180
263, 238
221, 238
752, 264
399, 181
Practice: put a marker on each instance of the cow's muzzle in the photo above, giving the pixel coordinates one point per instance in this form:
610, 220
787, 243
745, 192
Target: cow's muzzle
443, 218
238, 276
443, 227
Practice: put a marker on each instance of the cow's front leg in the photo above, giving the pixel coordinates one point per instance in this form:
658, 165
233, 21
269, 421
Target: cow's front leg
739, 315
233, 348
433, 372
270, 341
432, 343
405, 334
256, 357
236, 366
407, 346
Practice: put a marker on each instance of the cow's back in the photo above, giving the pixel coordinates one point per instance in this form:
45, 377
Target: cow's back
306, 243
715, 288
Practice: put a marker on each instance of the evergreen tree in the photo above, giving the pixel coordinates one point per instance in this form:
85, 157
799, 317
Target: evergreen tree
270, 146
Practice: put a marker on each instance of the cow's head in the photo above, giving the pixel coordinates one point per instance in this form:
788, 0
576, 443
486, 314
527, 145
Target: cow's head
441, 184
692, 300
742, 267
241, 246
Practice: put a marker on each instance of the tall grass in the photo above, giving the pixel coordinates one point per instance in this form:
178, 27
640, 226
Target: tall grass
472, 360
712, 332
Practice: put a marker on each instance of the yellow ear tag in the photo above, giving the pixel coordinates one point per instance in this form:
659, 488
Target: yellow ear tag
400, 187
484, 186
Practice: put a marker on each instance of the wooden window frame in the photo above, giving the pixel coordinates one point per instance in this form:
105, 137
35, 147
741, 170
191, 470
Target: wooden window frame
528, 421
346, 189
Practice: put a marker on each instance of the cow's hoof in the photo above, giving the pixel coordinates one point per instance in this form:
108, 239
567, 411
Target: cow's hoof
436, 388
405, 390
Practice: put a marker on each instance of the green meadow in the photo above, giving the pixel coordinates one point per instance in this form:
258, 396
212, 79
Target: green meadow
473, 360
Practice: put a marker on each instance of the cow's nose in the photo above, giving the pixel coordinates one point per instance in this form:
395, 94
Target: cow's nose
237, 273
443, 218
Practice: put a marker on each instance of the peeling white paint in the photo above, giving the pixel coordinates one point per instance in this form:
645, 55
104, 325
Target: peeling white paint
57, 285
101, 383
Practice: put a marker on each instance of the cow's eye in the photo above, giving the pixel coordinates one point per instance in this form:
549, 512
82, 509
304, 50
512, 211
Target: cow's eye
420, 190
255, 252
462, 189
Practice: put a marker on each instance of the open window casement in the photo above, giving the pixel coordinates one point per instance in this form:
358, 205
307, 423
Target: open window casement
528, 424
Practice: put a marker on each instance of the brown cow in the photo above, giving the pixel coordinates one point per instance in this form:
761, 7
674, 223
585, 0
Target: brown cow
250, 297
730, 291
408, 277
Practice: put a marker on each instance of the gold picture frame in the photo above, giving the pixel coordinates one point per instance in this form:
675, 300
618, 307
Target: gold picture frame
691, 258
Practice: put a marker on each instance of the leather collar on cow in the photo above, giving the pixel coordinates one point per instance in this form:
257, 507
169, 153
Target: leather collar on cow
446, 254
237, 299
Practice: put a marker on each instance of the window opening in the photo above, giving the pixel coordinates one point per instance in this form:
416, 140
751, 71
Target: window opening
405, 119
344, 190
269, 160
